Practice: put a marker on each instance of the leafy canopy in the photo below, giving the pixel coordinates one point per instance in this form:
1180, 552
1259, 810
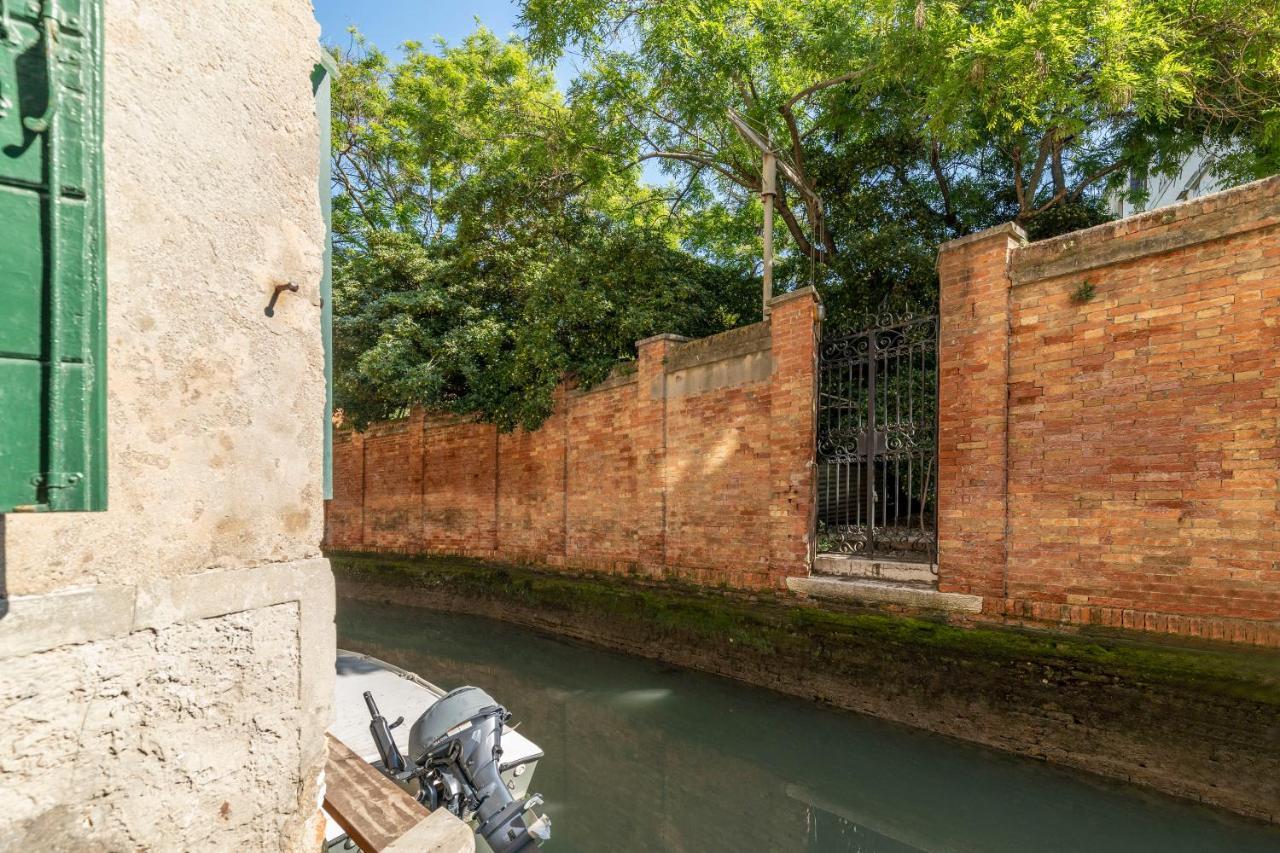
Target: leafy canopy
486, 245
492, 235
915, 121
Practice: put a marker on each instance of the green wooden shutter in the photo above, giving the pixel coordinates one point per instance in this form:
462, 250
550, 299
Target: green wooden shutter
52, 284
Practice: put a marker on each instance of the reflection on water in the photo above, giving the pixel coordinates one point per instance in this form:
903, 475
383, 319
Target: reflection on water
642, 757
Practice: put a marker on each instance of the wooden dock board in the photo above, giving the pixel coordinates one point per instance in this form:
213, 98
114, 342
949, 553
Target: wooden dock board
377, 814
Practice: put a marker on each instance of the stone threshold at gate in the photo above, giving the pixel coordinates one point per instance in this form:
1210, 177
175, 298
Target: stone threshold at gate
851, 579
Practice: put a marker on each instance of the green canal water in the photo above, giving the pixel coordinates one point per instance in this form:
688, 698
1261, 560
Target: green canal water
641, 757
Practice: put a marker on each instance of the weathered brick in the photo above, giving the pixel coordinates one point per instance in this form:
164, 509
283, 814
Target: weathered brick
1141, 484
698, 464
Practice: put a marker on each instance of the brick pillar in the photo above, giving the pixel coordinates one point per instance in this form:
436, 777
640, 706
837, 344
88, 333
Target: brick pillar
650, 430
973, 411
794, 326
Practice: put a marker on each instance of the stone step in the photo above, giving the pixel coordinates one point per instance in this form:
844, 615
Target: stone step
852, 590
851, 566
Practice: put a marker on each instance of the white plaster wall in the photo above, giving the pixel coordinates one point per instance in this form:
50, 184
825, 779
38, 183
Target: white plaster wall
215, 410
168, 664
158, 739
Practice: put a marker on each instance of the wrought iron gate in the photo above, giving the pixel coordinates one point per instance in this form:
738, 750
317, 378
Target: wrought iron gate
877, 440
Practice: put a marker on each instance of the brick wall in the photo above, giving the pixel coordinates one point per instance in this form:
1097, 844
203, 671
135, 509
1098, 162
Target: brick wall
1110, 420
698, 464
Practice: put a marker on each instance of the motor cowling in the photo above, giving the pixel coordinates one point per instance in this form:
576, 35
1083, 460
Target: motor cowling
457, 743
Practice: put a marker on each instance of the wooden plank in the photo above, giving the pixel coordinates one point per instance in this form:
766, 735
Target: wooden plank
369, 807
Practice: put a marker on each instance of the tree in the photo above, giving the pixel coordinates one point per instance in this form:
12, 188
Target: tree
486, 247
919, 120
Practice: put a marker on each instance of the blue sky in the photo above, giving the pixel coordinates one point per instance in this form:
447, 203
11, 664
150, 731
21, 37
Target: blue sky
388, 23
391, 23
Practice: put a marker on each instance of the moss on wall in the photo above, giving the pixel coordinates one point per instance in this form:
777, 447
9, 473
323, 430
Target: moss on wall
780, 625
1196, 720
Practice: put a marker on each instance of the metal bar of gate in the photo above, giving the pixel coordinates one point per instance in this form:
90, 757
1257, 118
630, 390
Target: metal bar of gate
878, 442
869, 443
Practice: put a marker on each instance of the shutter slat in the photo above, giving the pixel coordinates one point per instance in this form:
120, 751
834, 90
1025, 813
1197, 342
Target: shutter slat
52, 283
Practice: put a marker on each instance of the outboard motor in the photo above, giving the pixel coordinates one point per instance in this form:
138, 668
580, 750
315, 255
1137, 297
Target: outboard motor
455, 751
392, 760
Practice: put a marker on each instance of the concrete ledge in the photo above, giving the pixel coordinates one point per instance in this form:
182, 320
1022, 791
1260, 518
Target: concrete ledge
851, 566
665, 336
38, 623
858, 591
743, 340
1008, 230
1211, 217
809, 292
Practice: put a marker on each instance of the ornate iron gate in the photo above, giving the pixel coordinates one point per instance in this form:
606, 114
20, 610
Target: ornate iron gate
877, 440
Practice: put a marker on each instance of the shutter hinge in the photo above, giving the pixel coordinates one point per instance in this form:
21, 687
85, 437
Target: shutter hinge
57, 480
45, 483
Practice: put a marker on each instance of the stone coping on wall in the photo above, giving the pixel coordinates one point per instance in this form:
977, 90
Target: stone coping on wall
743, 340
1234, 211
809, 292
1005, 229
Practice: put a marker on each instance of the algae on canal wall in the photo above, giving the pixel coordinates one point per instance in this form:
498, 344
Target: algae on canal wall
1194, 720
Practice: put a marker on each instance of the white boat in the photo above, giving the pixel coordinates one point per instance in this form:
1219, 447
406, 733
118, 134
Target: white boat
441, 749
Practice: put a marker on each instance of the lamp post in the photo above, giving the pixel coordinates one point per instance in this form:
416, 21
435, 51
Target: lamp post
769, 189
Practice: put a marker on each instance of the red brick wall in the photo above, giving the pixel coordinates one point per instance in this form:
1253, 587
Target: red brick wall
344, 514
605, 502
459, 497
1115, 459
973, 346
393, 486
698, 465
531, 491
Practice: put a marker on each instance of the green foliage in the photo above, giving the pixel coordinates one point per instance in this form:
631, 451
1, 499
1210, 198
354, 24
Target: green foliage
920, 120
485, 248
492, 235
1084, 292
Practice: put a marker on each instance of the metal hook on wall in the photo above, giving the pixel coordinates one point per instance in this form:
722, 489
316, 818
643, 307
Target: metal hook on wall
270, 310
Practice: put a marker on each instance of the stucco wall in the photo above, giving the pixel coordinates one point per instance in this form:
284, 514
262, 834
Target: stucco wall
176, 733
214, 409
169, 663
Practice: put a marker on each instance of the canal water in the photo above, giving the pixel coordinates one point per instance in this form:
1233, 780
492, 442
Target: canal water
642, 757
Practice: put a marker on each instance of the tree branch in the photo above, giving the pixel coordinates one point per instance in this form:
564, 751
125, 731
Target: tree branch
1037, 171
1074, 193
1016, 156
806, 247
820, 85
948, 211
702, 160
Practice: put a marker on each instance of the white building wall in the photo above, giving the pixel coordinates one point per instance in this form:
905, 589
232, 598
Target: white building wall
168, 663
